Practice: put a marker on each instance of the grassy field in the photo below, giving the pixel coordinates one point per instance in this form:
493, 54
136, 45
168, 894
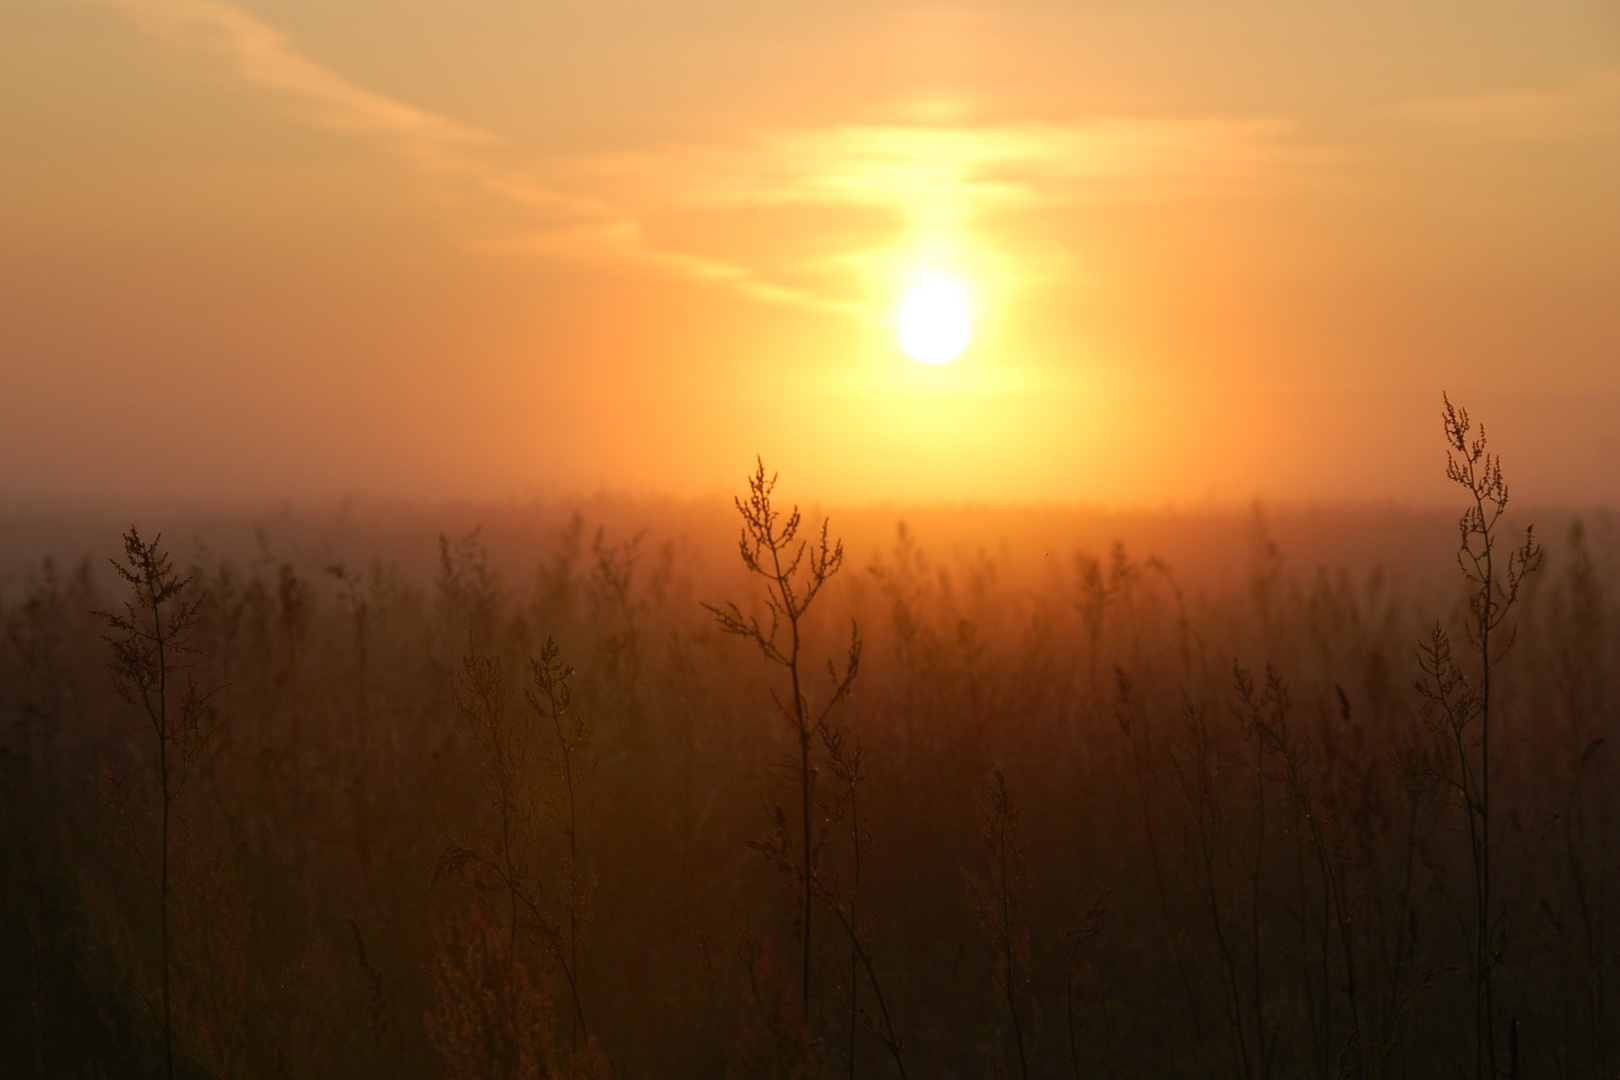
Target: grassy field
1021, 791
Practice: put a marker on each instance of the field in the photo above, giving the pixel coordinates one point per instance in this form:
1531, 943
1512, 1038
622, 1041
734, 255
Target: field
493, 792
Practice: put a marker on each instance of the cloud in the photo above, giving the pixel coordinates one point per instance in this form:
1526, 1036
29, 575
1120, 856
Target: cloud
949, 187
987, 165
442, 149
1585, 107
936, 179
262, 56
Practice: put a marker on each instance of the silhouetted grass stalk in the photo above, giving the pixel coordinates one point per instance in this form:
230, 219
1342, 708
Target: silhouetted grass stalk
770, 548
1001, 901
550, 699
1456, 703
150, 633
846, 761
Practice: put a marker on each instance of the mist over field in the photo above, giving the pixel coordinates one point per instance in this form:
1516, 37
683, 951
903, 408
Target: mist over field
1142, 793
1209, 545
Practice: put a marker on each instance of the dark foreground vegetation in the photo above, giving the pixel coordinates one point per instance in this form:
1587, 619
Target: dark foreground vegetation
634, 812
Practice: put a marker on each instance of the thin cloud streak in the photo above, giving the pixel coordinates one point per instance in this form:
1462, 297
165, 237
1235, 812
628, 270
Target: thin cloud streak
438, 147
1588, 106
948, 185
989, 165
940, 179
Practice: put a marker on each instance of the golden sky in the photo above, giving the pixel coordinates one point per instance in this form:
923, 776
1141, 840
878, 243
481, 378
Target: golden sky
1212, 251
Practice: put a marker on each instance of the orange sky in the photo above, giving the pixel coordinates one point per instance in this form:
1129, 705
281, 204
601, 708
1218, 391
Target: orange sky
289, 248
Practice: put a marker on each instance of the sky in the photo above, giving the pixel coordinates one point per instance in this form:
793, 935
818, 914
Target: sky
289, 249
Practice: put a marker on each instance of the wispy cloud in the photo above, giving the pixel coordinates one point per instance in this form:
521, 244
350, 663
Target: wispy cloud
262, 56
945, 179
953, 186
1580, 108
933, 178
987, 165
566, 223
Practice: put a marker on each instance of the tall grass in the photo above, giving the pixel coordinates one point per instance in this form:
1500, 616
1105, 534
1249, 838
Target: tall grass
150, 643
1259, 852
1461, 700
794, 573
1000, 900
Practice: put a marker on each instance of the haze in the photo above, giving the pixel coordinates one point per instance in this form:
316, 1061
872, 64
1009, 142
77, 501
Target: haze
485, 250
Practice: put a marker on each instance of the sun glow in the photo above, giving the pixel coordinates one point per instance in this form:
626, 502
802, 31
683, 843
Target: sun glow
933, 321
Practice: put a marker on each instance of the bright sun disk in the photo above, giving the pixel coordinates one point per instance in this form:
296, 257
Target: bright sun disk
933, 321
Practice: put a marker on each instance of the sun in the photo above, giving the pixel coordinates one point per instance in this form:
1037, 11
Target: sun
933, 321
